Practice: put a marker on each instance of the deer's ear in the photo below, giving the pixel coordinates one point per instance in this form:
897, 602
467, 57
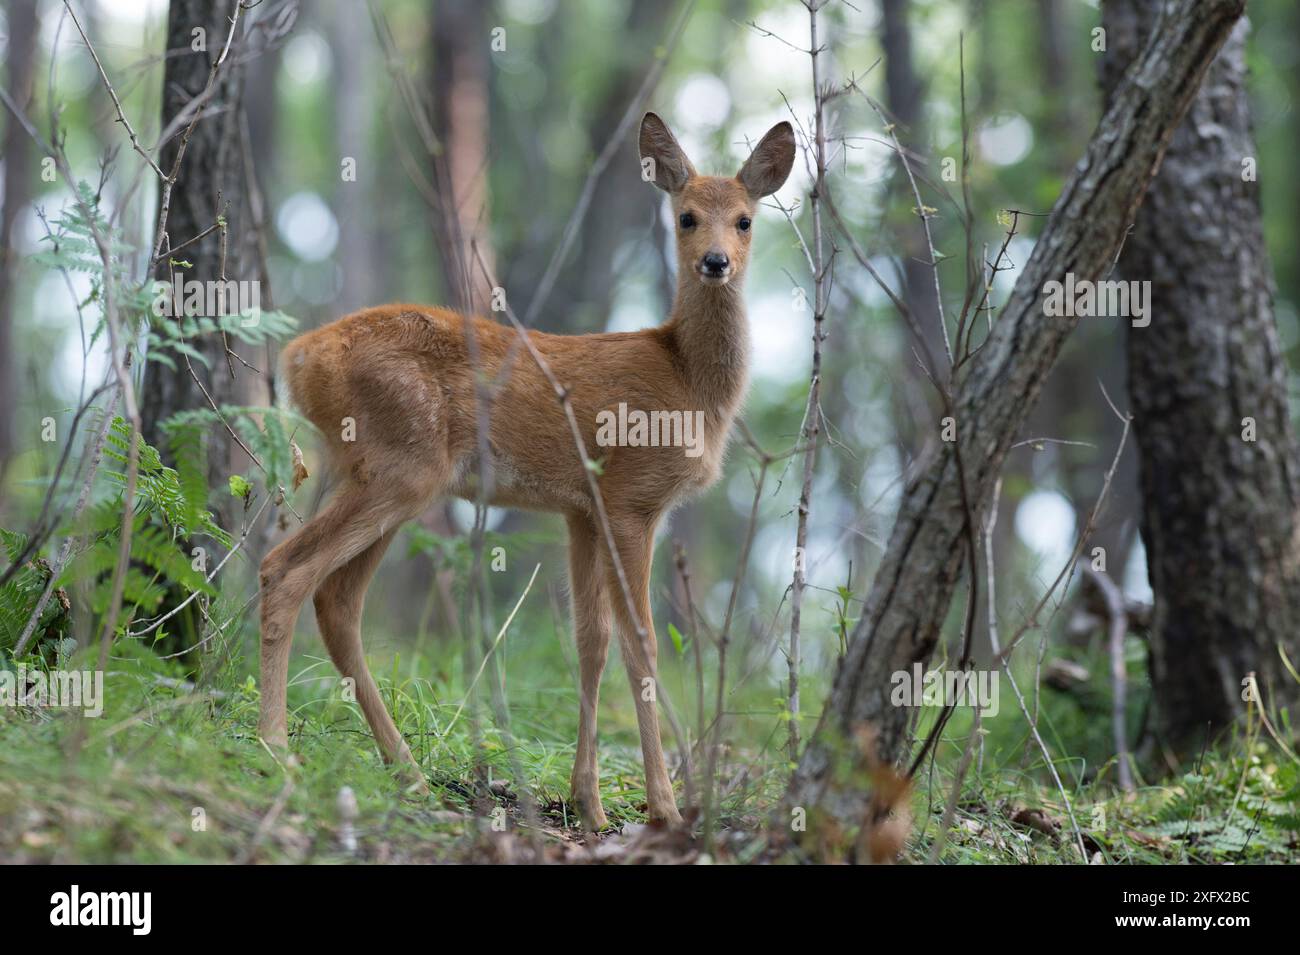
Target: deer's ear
767, 167
662, 159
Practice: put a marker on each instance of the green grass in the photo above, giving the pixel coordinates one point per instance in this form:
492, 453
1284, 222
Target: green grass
128, 789
172, 774
1240, 808
1238, 801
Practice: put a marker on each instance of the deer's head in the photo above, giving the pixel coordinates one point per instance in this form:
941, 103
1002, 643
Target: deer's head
714, 214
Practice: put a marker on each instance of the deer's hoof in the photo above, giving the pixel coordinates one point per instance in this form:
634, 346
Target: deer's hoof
590, 811
667, 816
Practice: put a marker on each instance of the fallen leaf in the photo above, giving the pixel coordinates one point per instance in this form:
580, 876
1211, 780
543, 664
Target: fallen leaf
889, 817
1036, 819
1142, 838
300, 472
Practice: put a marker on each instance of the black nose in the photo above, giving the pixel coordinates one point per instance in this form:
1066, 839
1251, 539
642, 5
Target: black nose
715, 263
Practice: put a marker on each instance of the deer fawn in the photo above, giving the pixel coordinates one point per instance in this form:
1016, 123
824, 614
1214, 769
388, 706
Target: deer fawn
392, 390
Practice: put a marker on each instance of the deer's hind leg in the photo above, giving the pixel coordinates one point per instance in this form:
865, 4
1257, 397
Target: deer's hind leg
359, 515
338, 602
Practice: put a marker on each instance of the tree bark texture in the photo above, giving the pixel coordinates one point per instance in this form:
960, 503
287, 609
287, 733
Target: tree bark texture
211, 184
913, 587
1220, 516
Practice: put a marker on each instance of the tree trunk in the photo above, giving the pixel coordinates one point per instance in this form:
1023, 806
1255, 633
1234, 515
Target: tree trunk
21, 53
353, 198
1054, 45
594, 270
910, 596
987, 62
904, 96
1071, 405
461, 120
1219, 507
210, 185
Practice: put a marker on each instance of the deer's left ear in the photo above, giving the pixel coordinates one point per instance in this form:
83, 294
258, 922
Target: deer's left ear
767, 167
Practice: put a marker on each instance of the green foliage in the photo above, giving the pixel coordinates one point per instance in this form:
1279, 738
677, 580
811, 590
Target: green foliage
675, 636
168, 337
156, 563
190, 453
170, 506
21, 593
239, 487
1227, 808
177, 497
262, 430
201, 748
73, 248
844, 621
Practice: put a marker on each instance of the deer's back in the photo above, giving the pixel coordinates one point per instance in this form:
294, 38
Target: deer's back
401, 375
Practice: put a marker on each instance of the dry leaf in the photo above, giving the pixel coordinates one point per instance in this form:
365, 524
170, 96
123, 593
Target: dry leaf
1036, 819
300, 472
889, 815
1154, 842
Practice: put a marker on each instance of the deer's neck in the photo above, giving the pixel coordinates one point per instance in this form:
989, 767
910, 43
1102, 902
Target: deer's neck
711, 331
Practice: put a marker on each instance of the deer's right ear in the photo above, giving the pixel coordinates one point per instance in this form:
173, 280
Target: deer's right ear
662, 159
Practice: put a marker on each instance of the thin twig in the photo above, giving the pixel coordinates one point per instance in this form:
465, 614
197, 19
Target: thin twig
1117, 629
1005, 663
500, 635
811, 429
121, 116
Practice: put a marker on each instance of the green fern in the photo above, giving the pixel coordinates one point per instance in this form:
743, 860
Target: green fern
20, 594
182, 505
263, 431
170, 506
173, 335
71, 247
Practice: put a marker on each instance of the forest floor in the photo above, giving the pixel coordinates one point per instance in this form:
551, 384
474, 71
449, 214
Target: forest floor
170, 774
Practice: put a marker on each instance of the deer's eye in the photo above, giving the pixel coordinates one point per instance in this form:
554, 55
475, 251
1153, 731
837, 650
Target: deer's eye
686, 220
743, 224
